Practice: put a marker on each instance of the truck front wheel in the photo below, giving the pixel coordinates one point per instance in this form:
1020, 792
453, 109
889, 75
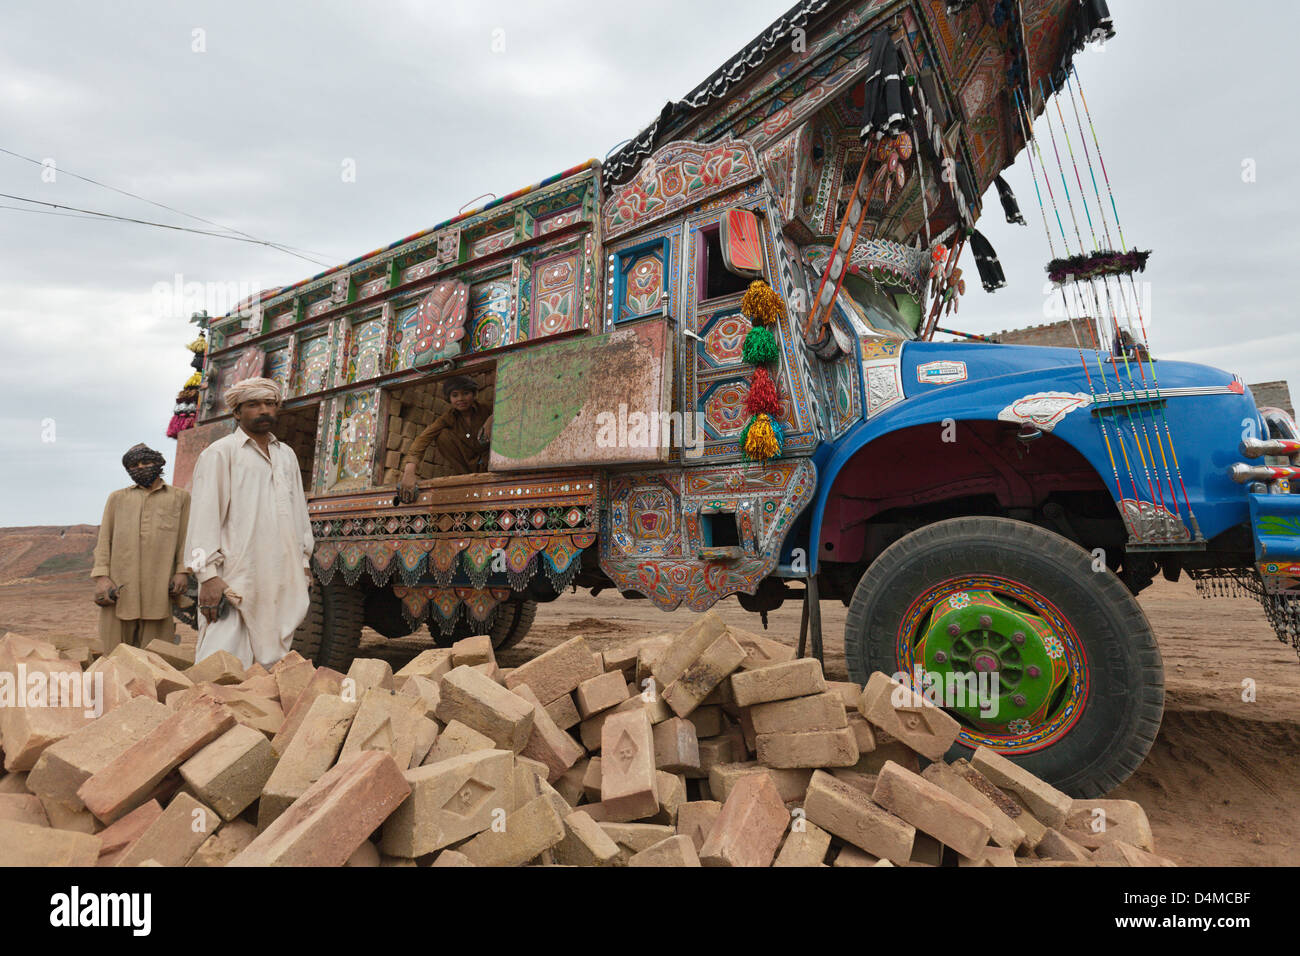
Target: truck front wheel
330, 634
1035, 647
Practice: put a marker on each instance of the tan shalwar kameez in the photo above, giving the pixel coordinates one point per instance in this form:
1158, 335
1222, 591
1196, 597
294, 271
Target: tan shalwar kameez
140, 547
455, 436
249, 526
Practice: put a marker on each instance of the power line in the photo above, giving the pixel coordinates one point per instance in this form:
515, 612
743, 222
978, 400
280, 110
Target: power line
160, 225
291, 250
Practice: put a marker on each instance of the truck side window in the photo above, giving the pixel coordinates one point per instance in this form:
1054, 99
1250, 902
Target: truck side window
718, 280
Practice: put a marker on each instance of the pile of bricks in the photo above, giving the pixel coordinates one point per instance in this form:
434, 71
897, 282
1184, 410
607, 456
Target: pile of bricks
713, 747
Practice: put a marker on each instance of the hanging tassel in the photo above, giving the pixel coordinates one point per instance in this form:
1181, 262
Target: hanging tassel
198, 345
1009, 205
193, 381
762, 397
760, 346
761, 438
986, 260
761, 303
197, 362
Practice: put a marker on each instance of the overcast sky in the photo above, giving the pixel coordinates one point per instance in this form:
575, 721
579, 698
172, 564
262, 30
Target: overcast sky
249, 114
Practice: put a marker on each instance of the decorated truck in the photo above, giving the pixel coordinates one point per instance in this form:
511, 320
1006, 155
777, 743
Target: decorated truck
713, 372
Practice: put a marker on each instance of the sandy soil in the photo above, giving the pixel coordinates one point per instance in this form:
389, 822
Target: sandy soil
1221, 786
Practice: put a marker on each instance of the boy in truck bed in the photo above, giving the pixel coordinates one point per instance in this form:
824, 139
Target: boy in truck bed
459, 435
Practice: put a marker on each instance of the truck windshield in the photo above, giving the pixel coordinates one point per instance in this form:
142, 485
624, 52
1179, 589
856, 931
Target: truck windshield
887, 311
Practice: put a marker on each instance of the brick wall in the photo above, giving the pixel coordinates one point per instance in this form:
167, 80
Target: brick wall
410, 409
1053, 333
1273, 395
297, 429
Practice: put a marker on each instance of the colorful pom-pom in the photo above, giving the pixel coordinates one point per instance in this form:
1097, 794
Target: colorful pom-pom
198, 345
761, 438
193, 381
760, 346
761, 303
763, 397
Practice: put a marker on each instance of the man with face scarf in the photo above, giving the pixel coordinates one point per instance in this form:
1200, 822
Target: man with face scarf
250, 539
139, 557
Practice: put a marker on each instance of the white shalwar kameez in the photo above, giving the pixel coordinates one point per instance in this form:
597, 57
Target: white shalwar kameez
249, 525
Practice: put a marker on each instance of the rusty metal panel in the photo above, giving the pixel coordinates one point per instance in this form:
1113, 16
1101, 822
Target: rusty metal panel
190, 444
601, 399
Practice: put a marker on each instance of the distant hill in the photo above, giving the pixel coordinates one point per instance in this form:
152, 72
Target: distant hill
45, 550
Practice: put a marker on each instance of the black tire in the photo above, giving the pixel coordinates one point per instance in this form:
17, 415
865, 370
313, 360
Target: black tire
383, 613
330, 634
1117, 723
513, 622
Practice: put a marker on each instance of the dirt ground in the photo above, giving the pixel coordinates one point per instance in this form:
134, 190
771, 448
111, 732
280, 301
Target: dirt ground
1221, 786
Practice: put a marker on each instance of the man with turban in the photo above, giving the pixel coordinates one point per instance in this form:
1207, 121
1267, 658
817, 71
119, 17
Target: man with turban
250, 540
459, 435
139, 557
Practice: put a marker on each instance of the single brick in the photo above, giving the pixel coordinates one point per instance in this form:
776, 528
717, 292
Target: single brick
126, 782
800, 714
702, 675
175, 835
632, 838
67, 764
1044, 801
557, 672
528, 831
367, 673
25, 844
1094, 823
426, 734
862, 732
760, 651
224, 845
672, 794
932, 810
907, 716
473, 650
385, 721
1057, 846
450, 801
23, 808
585, 843
547, 742
671, 851
848, 813
600, 693
993, 856
570, 784
804, 846
118, 838
850, 856
452, 858
335, 815
1006, 832
221, 667
433, 664
814, 748
627, 783
313, 750
791, 784
672, 661
324, 680
174, 654
486, 706
695, 819
455, 740
425, 690
778, 682
676, 747
749, 829
1126, 855
229, 773
30, 723
564, 712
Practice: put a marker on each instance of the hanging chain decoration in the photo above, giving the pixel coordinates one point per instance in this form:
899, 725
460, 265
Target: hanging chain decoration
762, 437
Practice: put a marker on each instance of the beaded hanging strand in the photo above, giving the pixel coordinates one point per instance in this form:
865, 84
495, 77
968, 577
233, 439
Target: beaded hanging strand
762, 437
